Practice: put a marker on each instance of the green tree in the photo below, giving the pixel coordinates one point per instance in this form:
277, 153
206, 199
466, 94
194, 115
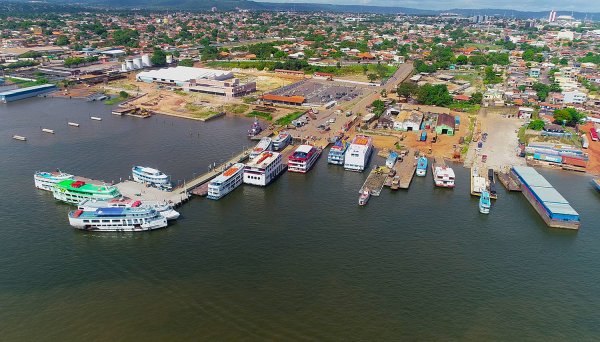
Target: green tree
123, 94
522, 88
378, 107
568, 116
476, 98
536, 124
62, 41
436, 95
186, 62
462, 60
407, 89
372, 77
158, 58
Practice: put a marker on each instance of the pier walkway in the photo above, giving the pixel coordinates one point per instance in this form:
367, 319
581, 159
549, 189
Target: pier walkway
204, 178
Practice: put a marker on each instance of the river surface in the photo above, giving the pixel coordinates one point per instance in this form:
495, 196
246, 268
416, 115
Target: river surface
298, 260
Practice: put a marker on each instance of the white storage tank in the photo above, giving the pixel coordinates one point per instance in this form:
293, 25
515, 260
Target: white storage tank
146, 61
169, 59
137, 63
129, 64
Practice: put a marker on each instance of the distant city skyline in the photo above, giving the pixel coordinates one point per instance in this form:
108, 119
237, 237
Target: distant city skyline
522, 5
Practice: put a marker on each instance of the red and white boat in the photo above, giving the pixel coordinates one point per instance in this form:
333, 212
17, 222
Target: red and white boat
303, 158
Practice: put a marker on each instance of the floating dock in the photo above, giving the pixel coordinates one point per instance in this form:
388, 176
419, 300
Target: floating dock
404, 170
375, 180
509, 180
480, 182
554, 209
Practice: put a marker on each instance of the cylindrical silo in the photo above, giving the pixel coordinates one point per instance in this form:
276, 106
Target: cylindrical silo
169, 59
146, 61
137, 63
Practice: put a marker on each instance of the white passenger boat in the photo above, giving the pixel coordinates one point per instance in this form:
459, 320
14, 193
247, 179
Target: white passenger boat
163, 208
152, 177
358, 154
337, 152
303, 158
47, 180
443, 175
263, 169
73, 192
48, 130
226, 182
95, 118
263, 145
117, 219
485, 202
364, 197
73, 124
281, 141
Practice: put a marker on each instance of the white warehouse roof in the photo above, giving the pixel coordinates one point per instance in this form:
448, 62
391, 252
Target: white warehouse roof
184, 74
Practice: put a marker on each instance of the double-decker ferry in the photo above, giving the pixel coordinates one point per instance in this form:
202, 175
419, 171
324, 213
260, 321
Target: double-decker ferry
71, 191
163, 208
421, 167
151, 176
281, 141
226, 182
47, 180
303, 158
358, 153
117, 219
443, 175
263, 169
263, 145
337, 152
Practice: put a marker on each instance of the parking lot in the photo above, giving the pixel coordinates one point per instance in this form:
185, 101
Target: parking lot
320, 92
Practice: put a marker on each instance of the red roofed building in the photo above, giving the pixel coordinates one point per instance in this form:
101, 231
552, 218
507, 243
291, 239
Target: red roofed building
286, 100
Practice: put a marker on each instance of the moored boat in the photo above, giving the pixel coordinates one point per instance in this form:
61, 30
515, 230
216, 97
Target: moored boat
226, 182
151, 177
263, 145
73, 192
255, 129
164, 209
364, 197
391, 159
337, 152
421, 166
117, 219
303, 158
596, 183
484, 202
47, 180
281, 141
73, 124
443, 175
264, 168
95, 118
19, 137
358, 154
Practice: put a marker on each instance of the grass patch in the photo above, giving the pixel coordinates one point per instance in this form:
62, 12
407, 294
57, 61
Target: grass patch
236, 108
199, 111
466, 107
249, 99
286, 120
261, 115
114, 100
180, 92
24, 84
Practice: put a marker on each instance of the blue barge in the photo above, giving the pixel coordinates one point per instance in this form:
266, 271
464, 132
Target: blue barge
554, 209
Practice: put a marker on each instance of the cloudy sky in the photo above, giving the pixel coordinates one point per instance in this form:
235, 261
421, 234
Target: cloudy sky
524, 5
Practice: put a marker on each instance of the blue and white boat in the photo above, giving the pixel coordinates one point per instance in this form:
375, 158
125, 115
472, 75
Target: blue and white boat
152, 177
281, 141
596, 183
422, 167
391, 159
47, 180
484, 202
117, 219
336, 152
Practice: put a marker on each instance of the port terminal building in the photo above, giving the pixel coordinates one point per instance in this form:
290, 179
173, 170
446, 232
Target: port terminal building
23, 93
201, 80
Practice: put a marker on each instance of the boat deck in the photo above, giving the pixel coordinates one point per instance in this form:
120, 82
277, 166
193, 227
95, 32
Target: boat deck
375, 180
405, 170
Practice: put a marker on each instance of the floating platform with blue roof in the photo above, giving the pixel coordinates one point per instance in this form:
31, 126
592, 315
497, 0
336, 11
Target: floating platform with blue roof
554, 209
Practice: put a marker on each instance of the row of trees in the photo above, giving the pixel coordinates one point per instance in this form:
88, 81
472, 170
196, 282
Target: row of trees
74, 61
429, 94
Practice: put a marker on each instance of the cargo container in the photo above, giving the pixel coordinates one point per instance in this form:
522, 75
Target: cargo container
584, 141
574, 161
423, 136
548, 157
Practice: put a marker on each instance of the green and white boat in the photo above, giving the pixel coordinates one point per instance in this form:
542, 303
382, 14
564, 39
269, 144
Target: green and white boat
73, 192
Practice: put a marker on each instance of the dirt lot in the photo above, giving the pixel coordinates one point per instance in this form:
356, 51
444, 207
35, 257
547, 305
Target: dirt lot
593, 151
265, 81
502, 141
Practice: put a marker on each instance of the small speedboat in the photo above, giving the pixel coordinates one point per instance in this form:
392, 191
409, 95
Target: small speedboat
484, 202
364, 197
